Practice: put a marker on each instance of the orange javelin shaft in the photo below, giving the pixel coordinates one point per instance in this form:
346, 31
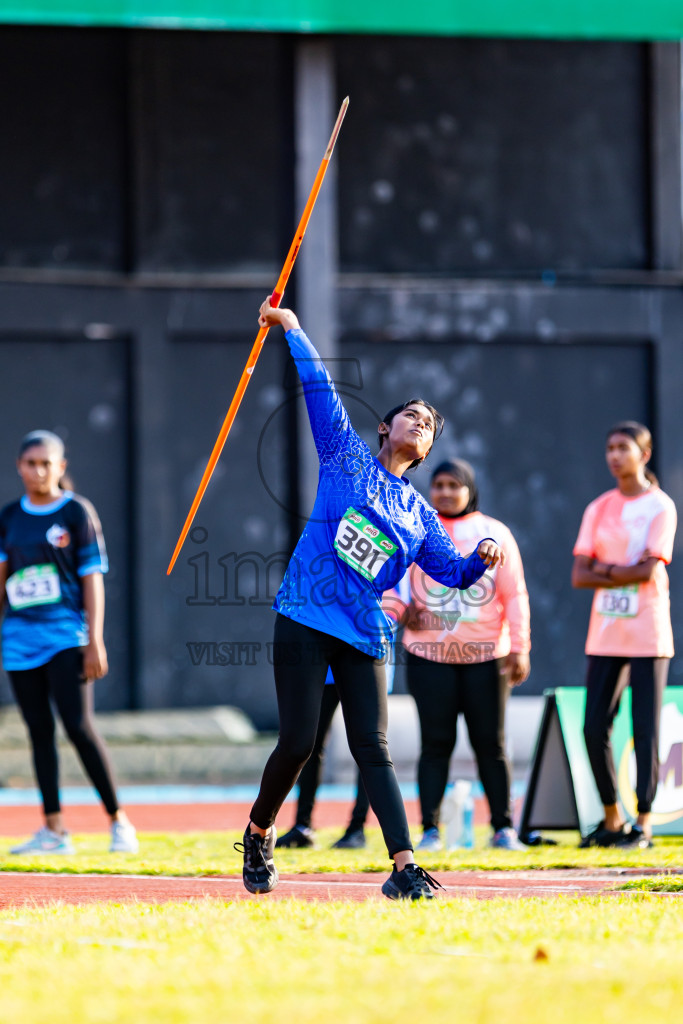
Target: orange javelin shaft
275, 300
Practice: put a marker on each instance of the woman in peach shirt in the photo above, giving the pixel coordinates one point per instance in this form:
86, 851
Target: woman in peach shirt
625, 541
465, 651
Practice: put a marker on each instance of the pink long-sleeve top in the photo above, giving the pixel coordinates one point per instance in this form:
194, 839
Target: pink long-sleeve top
488, 621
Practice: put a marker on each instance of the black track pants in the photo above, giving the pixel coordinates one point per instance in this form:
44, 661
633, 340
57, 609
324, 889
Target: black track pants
301, 657
606, 680
309, 778
60, 681
442, 692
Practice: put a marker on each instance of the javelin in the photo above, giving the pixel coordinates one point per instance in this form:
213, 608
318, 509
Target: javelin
275, 300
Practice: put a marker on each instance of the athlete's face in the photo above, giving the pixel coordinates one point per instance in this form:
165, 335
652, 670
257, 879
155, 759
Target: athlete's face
41, 468
411, 430
624, 457
448, 495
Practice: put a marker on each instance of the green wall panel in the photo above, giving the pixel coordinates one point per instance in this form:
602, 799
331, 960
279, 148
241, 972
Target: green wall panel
585, 19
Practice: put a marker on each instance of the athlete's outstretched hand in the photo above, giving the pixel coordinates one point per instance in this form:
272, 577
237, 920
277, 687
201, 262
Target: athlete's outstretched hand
269, 316
491, 554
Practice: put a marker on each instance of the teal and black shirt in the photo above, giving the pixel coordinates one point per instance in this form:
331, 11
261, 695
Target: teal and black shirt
48, 550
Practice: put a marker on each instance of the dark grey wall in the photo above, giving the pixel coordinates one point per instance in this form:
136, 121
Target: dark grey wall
143, 151
493, 156
63, 113
130, 288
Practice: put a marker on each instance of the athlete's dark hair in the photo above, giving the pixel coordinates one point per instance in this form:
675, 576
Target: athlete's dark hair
461, 471
42, 437
436, 416
47, 439
641, 435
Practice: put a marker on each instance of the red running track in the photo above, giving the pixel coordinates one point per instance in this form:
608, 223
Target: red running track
16, 821
22, 889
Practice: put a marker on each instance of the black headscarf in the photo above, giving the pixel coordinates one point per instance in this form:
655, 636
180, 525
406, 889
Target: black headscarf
461, 471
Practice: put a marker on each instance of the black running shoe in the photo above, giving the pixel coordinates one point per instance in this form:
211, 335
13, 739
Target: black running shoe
601, 836
413, 883
607, 838
636, 839
535, 838
590, 838
299, 837
351, 840
259, 873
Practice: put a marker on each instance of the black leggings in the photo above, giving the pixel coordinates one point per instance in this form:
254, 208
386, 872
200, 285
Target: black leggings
301, 657
309, 778
605, 683
442, 692
60, 680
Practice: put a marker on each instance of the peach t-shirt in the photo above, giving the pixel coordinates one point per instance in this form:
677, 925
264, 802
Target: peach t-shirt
485, 622
630, 621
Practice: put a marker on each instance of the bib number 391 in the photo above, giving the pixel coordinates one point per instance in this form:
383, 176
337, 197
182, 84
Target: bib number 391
33, 586
361, 545
619, 602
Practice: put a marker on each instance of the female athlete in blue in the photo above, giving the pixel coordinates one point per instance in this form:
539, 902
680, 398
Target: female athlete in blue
52, 558
367, 526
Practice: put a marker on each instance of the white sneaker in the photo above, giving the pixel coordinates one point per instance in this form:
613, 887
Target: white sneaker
46, 841
430, 842
507, 839
124, 838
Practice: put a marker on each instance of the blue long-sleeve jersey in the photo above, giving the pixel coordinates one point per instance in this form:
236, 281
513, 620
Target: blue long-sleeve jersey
366, 528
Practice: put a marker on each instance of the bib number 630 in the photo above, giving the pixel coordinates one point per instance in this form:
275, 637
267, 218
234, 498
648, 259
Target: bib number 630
619, 602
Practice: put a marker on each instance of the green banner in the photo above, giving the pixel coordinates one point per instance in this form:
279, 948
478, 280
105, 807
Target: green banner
580, 19
667, 810
571, 706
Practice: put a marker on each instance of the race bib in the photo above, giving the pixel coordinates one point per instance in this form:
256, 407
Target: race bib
451, 605
619, 602
33, 586
361, 545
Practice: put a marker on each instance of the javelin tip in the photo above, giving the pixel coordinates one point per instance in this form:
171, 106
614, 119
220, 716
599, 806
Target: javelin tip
336, 129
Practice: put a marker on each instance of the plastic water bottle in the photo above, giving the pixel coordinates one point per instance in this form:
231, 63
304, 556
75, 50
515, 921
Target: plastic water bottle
451, 817
452, 811
467, 835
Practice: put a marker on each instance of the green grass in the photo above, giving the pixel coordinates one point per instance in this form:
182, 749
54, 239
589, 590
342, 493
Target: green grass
211, 853
668, 884
460, 960
595, 960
